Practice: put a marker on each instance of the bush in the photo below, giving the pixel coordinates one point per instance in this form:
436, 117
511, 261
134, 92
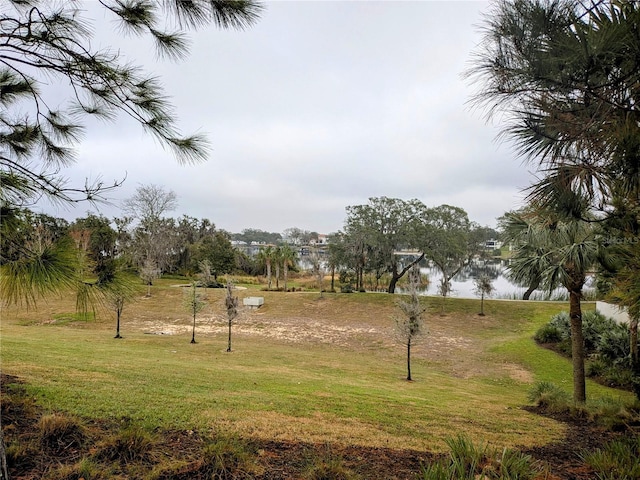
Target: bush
614, 344
562, 323
346, 288
617, 460
611, 413
548, 334
594, 325
596, 367
470, 462
549, 396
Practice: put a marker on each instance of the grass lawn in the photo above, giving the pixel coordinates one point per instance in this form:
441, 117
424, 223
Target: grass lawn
303, 368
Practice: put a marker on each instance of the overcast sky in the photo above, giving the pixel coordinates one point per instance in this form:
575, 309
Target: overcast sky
319, 106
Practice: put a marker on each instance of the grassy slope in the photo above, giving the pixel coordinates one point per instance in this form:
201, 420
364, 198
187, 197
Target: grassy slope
351, 391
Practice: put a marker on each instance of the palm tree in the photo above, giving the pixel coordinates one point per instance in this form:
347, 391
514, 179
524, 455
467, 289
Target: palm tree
288, 257
563, 250
275, 260
265, 256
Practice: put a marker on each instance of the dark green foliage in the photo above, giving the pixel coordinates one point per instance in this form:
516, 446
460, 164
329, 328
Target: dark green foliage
618, 460
594, 325
607, 344
550, 397
548, 334
614, 345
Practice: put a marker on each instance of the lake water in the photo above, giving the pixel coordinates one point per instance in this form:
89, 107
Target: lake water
463, 283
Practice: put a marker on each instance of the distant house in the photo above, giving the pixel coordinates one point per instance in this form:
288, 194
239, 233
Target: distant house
493, 244
321, 240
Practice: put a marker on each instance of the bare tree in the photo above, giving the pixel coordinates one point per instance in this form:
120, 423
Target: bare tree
121, 290
150, 202
410, 326
148, 273
194, 302
231, 303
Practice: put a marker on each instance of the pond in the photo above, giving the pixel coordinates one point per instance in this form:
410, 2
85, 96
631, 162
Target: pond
463, 284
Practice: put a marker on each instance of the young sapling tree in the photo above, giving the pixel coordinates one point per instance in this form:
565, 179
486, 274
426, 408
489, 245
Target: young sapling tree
483, 288
194, 302
231, 303
410, 326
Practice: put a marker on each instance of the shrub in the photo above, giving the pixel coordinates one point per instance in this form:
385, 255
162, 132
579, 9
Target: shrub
470, 462
548, 334
617, 460
346, 288
594, 325
614, 344
611, 413
465, 456
596, 367
562, 322
549, 396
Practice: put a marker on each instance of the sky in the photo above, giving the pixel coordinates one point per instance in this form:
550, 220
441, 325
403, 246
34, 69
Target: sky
319, 106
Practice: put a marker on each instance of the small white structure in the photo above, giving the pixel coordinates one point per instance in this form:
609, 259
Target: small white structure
253, 302
619, 314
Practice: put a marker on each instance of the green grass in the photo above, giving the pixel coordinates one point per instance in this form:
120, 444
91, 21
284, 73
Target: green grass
269, 388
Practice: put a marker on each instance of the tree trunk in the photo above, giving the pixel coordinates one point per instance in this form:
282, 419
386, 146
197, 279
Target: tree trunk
4, 472
395, 275
409, 361
333, 278
118, 325
229, 342
633, 348
577, 347
193, 334
482, 304
633, 338
268, 275
532, 288
393, 282
285, 274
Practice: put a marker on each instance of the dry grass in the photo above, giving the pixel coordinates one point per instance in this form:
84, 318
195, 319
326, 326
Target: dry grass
304, 368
